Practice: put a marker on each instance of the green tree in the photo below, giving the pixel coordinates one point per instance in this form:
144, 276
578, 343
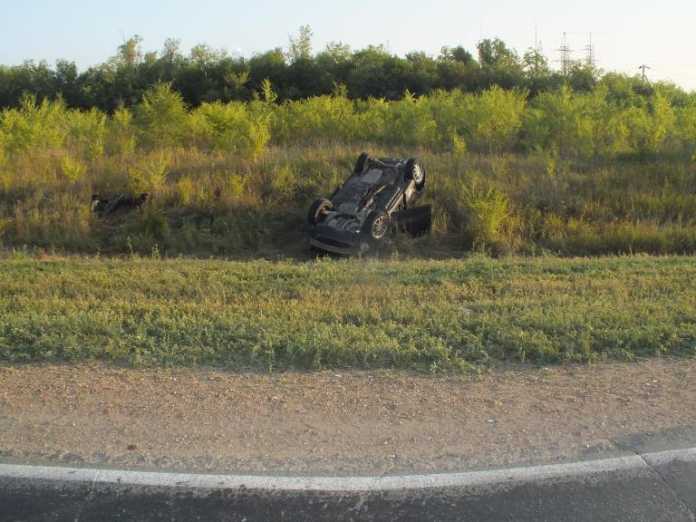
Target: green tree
300, 47
130, 52
494, 53
171, 50
535, 64
457, 54
337, 52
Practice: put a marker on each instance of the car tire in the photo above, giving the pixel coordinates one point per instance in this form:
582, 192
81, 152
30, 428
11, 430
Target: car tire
317, 211
415, 172
376, 226
360, 164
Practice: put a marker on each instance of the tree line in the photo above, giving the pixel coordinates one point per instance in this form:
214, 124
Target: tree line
208, 75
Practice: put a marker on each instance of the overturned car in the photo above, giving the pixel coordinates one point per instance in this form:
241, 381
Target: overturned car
378, 197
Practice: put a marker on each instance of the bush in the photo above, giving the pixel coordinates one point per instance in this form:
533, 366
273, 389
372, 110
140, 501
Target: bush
149, 174
410, 123
494, 118
121, 134
162, 118
684, 137
72, 169
230, 128
85, 133
557, 122
319, 119
486, 210
33, 126
649, 127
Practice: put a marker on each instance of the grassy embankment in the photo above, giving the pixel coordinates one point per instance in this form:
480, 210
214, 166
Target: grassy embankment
565, 173
415, 314
505, 203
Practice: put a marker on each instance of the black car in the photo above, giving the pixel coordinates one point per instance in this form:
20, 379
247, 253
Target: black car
378, 197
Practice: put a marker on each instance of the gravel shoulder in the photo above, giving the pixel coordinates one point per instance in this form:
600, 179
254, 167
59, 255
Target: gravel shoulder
337, 422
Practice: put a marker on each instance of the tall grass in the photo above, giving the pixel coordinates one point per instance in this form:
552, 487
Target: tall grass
567, 172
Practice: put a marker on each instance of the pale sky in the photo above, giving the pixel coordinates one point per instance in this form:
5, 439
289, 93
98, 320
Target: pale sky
626, 33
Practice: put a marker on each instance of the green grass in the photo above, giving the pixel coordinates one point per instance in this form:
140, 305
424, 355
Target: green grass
414, 314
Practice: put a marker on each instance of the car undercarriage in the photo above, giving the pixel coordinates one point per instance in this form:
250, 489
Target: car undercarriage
378, 197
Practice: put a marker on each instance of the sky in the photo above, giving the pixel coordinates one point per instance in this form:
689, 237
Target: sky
625, 33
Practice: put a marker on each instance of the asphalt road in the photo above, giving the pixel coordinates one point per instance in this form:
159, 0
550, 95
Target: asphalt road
656, 491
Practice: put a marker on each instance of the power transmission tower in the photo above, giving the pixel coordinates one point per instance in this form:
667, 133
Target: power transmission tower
590, 53
538, 45
643, 68
566, 53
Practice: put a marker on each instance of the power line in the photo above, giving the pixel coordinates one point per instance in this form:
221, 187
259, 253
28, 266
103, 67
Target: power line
643, 68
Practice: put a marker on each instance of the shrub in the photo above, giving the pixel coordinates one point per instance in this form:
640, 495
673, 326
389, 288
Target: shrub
410, 123
448, 111
186, 191
494, 118
86, 133
230, 127
649, 126
487, 210
685, 131
149, 173
370, 121
557, 122
72, 169
3, 139
33, 127
161, 117
121, 134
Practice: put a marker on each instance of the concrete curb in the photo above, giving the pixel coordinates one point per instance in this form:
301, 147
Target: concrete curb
492, 478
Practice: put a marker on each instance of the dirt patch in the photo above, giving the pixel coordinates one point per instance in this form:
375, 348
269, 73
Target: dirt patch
335, 422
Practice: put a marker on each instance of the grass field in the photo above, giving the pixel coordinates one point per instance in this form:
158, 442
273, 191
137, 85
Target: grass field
411, 314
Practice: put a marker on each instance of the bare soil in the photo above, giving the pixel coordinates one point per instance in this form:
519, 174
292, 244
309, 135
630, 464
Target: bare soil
335, 422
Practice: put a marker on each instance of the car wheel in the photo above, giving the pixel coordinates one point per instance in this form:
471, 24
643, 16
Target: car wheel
416, 172
318, 210
360, 164
376, 225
